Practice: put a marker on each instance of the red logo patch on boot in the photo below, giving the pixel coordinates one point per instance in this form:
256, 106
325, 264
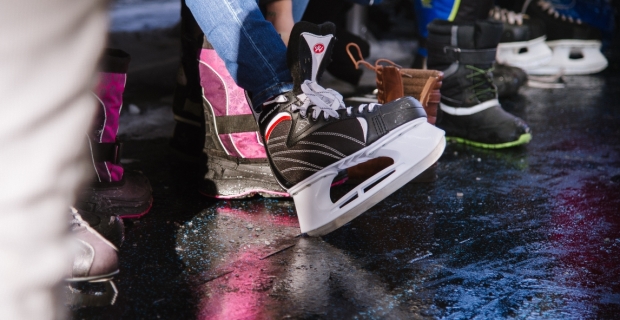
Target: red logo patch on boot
318, 48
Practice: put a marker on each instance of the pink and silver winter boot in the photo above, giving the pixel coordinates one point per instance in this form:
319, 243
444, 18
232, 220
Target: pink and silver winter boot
127, 194
237, 165
212, 111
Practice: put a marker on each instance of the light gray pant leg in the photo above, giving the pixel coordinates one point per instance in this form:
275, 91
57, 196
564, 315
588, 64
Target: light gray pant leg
48, 55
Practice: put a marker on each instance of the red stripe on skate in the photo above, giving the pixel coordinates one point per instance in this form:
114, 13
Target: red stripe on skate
274, 122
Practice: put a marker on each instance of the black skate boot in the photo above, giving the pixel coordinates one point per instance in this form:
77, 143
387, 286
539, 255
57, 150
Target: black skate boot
311, 136
469, 110
576, 46
115, 191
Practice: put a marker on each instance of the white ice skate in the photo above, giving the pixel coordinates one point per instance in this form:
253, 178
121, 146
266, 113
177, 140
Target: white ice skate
576, 46
524, 54
573, 57
523, 40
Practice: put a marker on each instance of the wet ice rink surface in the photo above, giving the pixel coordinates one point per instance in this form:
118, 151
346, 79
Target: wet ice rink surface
535, 234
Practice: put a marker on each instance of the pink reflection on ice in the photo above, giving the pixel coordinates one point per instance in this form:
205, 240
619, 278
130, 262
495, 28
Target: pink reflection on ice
239, 294
258, 214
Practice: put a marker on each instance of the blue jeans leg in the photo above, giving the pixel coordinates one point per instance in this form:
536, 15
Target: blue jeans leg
299, 7
253, 51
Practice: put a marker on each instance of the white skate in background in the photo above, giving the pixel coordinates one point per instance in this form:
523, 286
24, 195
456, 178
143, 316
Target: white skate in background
414, 147
524, 54
586, 58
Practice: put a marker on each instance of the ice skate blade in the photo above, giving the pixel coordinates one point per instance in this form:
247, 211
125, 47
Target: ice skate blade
94, 278
591, 61
536, 54
413, 147
107, 297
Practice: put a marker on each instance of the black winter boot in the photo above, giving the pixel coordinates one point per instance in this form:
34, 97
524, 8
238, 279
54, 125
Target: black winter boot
469, 110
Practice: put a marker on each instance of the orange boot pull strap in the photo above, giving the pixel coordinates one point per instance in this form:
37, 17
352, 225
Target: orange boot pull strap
359, 53
425, 95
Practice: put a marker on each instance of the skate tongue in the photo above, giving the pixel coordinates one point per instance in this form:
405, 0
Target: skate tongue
327, 100
318, 47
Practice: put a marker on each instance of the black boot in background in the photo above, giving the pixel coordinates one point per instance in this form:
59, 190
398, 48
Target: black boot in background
469, 110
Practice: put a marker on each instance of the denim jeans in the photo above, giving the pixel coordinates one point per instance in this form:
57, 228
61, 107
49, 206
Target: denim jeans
299, 7
251, 48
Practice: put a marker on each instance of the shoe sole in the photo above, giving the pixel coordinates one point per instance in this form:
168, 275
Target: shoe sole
523, 139
247, 194
137, 215
414, 147
229, 179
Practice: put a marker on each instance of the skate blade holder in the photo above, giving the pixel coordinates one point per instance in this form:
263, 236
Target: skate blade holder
414, 147
547, 82
524, 54
105, 296
573, 57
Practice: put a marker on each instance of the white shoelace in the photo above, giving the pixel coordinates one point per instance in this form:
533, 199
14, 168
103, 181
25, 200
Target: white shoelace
507, 16
327, 100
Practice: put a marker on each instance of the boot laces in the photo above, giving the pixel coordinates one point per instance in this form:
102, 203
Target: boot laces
328, 101
548, 6
483, 81
507, 16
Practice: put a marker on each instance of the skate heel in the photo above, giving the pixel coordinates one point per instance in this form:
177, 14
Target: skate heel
524, 54
573, 57
414, 147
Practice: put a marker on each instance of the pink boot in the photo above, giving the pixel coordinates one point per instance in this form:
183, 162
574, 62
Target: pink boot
114, 191
236, 159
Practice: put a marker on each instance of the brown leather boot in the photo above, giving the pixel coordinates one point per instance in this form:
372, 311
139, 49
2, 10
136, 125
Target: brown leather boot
395, 82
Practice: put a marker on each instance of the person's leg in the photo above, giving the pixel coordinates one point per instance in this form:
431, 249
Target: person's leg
249, 45
48, 54
215, 123
308, 133
280, 14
